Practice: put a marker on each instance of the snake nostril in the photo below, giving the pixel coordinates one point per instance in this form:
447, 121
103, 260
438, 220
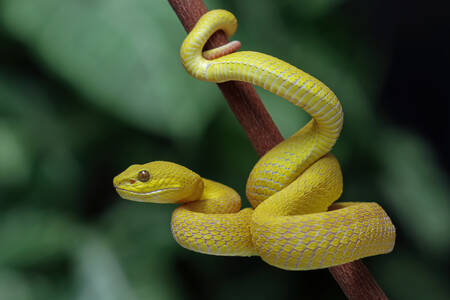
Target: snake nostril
131, 181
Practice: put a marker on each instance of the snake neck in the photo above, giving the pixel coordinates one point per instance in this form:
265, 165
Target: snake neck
215, 198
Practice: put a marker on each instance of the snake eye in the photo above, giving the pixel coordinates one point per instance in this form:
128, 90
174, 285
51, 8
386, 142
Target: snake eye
143, 176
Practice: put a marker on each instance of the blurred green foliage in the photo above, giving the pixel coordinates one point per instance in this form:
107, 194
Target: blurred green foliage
89, 87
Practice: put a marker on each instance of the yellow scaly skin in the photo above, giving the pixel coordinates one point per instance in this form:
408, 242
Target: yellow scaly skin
293, 225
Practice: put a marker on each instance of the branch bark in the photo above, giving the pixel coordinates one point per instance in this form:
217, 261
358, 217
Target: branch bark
354, 278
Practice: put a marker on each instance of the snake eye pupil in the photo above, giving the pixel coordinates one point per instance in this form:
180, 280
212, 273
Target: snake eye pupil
144, 176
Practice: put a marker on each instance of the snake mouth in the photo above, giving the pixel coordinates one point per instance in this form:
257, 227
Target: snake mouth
144, 194
156, 196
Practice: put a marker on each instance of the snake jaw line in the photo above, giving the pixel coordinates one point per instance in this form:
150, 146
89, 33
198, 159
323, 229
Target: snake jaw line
155, 196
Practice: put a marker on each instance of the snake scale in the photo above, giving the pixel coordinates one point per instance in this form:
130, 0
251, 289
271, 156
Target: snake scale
293, 224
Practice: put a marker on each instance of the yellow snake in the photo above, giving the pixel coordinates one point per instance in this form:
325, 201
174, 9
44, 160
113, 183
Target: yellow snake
294, 224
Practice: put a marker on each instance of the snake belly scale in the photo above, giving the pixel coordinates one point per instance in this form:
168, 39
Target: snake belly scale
293, 224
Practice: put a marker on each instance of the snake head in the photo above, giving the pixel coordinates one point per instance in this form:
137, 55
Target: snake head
158, 182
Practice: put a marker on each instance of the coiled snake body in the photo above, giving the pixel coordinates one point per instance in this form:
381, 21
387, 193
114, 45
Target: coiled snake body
294, 224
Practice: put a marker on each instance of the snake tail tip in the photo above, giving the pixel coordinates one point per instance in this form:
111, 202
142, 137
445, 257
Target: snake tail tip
223, 50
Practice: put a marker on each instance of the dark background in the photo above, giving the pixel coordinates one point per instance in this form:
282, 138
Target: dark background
89, 87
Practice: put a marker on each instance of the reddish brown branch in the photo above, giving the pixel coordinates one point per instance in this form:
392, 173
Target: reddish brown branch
356, 281
354, 278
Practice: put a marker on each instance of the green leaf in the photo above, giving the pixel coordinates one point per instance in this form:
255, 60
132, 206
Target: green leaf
123, 56
36, 236
416, 190
15, 167
14, 286
98, 273
405, 275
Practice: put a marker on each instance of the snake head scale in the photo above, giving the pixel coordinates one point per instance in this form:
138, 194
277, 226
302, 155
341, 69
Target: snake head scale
158, 182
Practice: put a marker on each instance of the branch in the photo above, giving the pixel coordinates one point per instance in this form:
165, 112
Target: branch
354, 278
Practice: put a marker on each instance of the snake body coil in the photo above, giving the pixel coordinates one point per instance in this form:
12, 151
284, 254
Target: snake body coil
294, 224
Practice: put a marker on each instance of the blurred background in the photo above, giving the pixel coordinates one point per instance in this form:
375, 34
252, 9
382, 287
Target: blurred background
90, 87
